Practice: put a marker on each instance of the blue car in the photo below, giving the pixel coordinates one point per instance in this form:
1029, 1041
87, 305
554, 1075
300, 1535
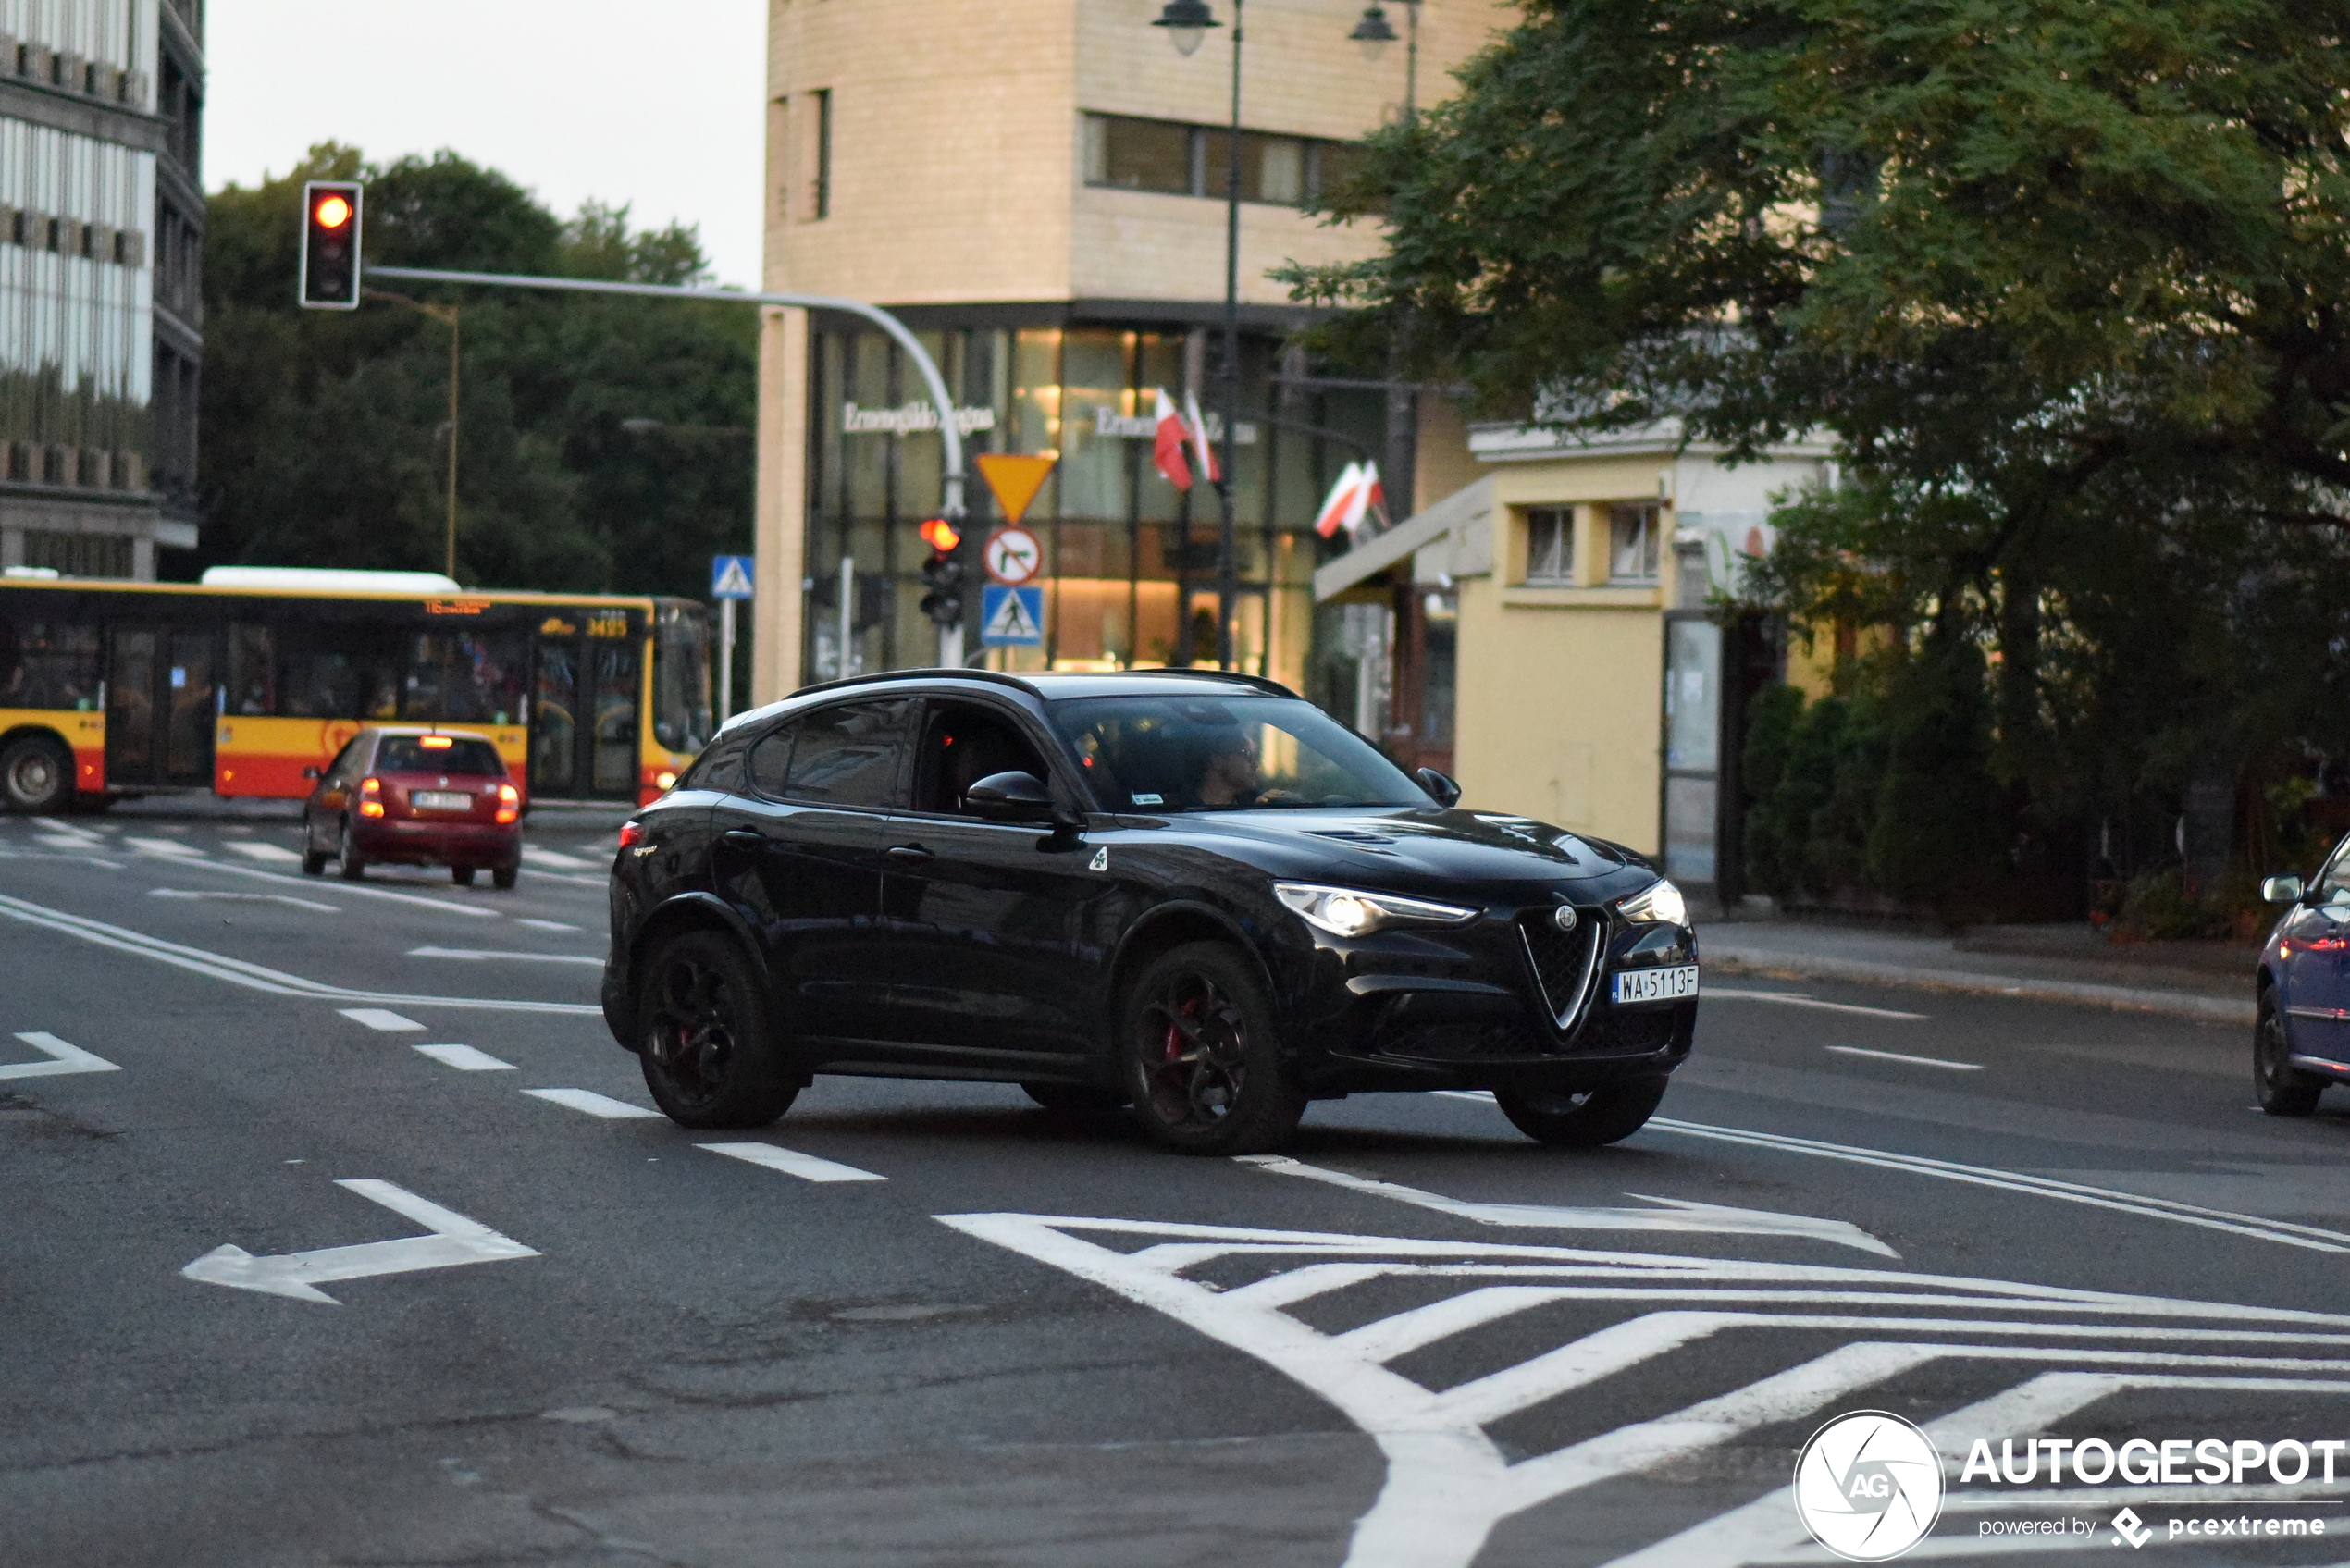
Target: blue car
2300, 1041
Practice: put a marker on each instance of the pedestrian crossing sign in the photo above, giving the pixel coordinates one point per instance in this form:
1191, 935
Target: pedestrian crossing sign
730, 576
1010, 616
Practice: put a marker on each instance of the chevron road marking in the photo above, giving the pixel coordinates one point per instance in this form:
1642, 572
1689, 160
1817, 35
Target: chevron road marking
1449, 1483
63, 1059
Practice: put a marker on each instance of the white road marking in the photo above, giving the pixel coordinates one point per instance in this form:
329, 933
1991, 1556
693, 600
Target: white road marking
454, 1240
63, 1059
595, 1104
1448, 1483
1797, 999
379, 1018
2287, 1232
1899, 1056
534, 856
348, 889
808, 1167
545, 925
247, 898
59, 851
1672, 1214
465, 1058
472, 954
255, 977
171, 846
276, 854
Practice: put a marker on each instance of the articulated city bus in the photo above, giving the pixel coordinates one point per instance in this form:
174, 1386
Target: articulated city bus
242, 685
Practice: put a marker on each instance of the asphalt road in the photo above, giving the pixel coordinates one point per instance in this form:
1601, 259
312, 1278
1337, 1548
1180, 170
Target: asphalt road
928, 1324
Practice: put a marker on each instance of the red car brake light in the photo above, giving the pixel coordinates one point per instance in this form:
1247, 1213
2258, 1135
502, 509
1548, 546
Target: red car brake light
371, 797
631, 834
509, 803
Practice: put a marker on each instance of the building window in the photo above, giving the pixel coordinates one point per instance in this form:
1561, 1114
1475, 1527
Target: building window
1167, 156
79, 555
823, 181
1632, 545
1549, 545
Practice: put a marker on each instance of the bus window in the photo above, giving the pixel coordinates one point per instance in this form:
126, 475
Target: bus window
48, 664
615, 760
252, 670
339, 672
681, 680
465, 677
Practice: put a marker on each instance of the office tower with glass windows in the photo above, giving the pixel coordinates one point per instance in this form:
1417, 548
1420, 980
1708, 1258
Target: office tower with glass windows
101, 242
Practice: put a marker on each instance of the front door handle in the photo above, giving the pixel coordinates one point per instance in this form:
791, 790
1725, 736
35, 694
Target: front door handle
910, 855
743, 838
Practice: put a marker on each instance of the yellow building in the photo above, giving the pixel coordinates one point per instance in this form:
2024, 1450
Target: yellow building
1543, 633
1038, 191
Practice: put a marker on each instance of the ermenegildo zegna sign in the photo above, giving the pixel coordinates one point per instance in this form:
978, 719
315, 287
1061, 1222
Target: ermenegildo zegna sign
912, 418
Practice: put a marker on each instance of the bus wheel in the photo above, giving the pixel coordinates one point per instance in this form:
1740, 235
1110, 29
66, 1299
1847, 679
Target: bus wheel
36, 775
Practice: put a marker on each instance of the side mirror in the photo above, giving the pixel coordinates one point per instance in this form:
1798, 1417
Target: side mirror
1014, 797
2281, 889
1446, 791
310, 772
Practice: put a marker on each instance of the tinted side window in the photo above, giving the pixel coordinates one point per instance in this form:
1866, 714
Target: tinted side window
852, 755
345, 767
770, 761
720, 768
963, 743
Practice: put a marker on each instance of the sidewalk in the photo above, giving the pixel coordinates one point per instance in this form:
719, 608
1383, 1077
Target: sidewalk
2209, 981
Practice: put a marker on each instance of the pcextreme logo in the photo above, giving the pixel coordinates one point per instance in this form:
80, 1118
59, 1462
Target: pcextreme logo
1868, 1486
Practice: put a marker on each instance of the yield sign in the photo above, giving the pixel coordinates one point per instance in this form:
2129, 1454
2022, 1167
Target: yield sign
454, 1240
1015, 478
1013, 555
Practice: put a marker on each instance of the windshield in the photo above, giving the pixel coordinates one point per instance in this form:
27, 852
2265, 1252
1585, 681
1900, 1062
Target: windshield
1225, 754
681, 679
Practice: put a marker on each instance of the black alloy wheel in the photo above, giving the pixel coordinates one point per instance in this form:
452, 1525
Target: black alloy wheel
1586, 1118
36, 776
2283, 1089
1075, 1097
1201, 1055
354, 865
462, 876
708, 1042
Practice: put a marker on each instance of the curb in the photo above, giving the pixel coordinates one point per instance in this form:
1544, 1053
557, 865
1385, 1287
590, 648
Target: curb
2177, 1004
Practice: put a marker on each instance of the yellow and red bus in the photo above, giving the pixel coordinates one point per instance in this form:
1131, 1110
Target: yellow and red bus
238, 685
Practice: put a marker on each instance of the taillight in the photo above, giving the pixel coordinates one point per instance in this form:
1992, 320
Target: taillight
371, 797
509, 803
631, 834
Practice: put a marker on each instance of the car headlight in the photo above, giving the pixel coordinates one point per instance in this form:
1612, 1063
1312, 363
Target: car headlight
1345, 911
1659, 904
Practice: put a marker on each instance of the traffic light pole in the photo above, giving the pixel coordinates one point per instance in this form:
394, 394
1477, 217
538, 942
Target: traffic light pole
950, 638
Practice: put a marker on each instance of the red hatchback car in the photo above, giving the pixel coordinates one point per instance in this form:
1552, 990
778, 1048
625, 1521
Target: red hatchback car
415, 798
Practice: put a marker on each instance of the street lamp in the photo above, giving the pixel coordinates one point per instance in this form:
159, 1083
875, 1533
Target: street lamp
1187, 22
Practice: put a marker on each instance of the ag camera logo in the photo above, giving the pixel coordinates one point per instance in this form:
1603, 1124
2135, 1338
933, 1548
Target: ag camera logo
1868, 1486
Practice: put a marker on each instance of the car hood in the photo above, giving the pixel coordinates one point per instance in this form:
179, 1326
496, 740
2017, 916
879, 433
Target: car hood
1403, 843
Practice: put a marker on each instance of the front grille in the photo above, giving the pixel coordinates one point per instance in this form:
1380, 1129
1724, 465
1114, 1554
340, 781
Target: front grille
1630, 1029
1564, 964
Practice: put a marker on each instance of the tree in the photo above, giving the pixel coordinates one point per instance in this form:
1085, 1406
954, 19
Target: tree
323, 433
2069, 281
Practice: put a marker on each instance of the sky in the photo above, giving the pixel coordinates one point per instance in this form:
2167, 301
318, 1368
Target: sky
657, 107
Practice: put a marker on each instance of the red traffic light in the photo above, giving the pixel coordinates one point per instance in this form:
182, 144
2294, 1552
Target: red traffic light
332, 212
941, 535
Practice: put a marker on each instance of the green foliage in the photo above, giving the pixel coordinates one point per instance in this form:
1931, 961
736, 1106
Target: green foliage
324, 432
2067, 280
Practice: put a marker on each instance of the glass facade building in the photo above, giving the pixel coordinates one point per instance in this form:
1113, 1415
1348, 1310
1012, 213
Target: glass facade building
101, 228
1129, 569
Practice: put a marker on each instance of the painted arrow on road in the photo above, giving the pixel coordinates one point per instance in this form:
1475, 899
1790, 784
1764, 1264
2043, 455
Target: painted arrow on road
1672, 1214
63, 1059
454, 1240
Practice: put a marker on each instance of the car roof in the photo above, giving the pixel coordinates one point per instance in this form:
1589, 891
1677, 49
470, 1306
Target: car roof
1055, 686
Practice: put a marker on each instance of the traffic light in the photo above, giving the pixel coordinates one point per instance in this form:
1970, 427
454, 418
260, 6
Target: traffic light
943, 574
330, 244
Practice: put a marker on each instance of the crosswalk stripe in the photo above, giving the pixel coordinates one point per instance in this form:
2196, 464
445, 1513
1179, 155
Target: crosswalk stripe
534, 856
595, 1104
276, 854
379, 1018
465, 1058
808, 1167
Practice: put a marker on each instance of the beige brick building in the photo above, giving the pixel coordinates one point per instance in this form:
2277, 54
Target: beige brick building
1039, 190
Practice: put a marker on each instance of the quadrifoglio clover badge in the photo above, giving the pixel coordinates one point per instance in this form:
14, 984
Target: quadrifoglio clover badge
1868, 1486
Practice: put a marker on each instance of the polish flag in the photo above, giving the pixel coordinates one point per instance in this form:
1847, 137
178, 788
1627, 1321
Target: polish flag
1199, 440
1356, 492
1167, 444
